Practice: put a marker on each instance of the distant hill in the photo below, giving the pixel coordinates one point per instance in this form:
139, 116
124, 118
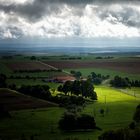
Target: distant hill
12, 100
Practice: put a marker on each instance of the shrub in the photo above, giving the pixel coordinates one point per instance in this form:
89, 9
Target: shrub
71, 121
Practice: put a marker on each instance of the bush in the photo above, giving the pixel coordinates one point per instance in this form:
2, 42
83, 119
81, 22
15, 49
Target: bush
112, 135
136, 116
121, 134
71, 121
3, 83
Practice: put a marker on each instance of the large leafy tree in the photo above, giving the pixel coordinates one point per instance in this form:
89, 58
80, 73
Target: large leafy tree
84, 88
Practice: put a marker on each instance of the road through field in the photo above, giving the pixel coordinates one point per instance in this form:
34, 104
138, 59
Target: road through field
48, 65
45, 64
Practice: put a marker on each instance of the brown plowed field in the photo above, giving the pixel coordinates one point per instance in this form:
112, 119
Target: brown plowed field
12, 100
27, 66
123, 66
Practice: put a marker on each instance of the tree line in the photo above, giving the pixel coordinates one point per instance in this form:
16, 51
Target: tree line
124, 82
97, 79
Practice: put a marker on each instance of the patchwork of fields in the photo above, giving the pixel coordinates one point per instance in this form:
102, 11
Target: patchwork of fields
40, 118
132, 67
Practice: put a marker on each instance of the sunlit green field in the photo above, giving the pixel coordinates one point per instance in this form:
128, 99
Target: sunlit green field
43, 123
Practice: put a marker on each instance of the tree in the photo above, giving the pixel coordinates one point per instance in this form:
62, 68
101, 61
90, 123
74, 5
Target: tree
136, 116
3, 81
76, 88
33, 58
97, 81
68, 122
93, 74
60, 88
86, 122
39, 91
67, 87
87, 90
71, 121
78, 74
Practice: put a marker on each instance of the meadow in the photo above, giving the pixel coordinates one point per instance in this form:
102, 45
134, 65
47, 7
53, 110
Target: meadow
43, 123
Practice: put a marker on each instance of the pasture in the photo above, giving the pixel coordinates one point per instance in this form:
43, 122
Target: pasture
43, 123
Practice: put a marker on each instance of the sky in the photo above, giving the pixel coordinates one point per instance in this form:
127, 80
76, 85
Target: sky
69, 18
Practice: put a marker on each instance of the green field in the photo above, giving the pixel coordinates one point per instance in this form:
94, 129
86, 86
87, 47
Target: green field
87, 71
44, 122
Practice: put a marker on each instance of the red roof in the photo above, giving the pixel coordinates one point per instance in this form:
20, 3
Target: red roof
65, 78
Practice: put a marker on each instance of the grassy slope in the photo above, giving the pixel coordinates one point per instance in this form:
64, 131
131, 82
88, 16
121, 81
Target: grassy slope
120, 111
13, 100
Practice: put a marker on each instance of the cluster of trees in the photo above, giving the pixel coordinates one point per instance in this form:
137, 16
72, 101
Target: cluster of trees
83, 88
43, 92
106, 57
39, 91
23, 77
121, 134
67, 101
130, 133
124, 82
7, 57
97, 78
71, 58
120, 82
33, 58
135, 83
71, 121
76, 74
136, 116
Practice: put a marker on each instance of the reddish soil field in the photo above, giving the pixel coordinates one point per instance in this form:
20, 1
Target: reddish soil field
123, 66
16, 101
27, 66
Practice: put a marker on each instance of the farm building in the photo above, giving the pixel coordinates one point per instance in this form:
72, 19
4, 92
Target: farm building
63, 79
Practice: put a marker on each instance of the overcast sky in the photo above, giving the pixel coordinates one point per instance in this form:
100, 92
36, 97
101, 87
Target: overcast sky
69, 18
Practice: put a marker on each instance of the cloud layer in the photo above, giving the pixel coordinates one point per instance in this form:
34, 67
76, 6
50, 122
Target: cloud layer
64, 18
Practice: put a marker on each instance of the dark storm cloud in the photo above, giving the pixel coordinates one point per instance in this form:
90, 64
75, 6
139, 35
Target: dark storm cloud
38, 8
128, 16
69, 17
